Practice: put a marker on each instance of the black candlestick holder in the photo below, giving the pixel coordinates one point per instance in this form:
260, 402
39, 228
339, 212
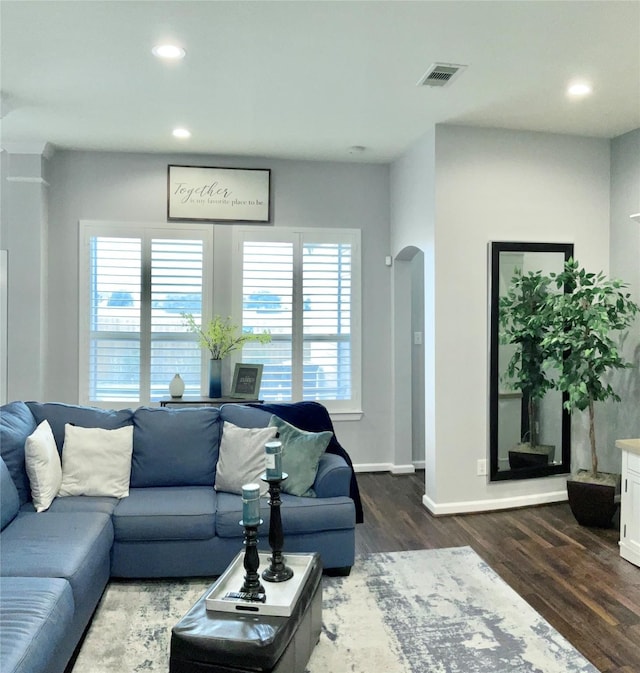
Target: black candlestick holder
251, 560
277, 570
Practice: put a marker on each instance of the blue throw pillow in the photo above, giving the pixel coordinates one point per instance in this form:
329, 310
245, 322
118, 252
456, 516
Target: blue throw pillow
175, 447
58, 414
16, 424
301, 453
9, 499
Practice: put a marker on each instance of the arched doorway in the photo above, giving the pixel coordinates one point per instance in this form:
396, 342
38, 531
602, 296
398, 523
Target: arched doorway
409, 365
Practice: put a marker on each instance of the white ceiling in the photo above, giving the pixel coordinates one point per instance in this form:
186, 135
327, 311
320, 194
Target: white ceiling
308, 79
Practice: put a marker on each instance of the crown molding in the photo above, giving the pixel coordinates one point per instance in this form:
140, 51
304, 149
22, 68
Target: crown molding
40, 147
35, 181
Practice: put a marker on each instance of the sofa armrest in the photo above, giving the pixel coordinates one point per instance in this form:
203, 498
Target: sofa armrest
333, 478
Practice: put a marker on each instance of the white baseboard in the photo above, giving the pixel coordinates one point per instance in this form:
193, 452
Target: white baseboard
403, 469
509, 502
389, 467
385, 467
372, 467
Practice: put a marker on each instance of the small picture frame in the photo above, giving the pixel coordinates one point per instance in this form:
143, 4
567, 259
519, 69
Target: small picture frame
246, 381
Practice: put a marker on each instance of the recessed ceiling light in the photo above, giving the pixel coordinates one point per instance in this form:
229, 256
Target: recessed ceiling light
181, 133
168, 51
580, 89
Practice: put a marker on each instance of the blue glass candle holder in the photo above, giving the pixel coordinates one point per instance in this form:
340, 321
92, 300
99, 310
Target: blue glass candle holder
251, 505
273, 460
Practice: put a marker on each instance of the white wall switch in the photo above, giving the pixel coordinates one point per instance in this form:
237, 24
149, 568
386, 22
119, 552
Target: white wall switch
417, 338
482, 468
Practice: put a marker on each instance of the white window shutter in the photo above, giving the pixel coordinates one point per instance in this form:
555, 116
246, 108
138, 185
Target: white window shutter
302, 286
139, 280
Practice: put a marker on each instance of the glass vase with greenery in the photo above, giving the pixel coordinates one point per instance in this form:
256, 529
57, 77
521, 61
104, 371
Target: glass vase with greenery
220, 336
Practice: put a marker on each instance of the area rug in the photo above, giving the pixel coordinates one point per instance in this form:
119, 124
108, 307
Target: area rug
429, 611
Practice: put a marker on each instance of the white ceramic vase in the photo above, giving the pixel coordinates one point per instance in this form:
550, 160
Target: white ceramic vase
176, 387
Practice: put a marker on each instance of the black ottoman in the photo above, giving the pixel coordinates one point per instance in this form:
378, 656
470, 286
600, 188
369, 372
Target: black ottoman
227, 642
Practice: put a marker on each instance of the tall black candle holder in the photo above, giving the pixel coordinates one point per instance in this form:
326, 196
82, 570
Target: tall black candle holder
277, 570
251, 560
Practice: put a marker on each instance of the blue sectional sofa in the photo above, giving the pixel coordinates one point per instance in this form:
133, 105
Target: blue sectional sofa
55, 565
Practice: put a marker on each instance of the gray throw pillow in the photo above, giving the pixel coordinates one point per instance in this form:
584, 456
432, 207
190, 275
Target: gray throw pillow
241, 458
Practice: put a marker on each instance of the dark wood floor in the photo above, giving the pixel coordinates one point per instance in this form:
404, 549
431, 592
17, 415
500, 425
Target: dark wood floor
573, 576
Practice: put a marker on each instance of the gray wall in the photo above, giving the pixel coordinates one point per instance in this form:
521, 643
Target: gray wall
412, 187
622, 420
470, 186
24, 228
132, 188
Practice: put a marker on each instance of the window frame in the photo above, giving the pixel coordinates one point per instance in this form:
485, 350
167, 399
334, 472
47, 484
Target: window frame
146, 231
350, 409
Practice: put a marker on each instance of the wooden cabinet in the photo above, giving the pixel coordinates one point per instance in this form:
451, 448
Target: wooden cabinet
630, 500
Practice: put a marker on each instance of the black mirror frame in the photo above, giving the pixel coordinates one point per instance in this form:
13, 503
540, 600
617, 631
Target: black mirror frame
529, 472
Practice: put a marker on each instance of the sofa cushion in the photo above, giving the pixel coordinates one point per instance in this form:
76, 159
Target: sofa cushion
59, 414
78, 503
42, 461
166, 513
9, 498
73, 546
96, 461
299, 516
16, 424
175, 447
245, 416
301, 452
36, 613
242, 457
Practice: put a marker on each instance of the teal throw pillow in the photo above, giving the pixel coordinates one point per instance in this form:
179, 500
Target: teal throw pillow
301, 452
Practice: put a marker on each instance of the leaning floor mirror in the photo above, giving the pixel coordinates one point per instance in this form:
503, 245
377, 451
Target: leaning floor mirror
529, 431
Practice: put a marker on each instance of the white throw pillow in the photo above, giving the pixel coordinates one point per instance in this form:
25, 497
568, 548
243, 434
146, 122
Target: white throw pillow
43, 466
96, 461
242, 457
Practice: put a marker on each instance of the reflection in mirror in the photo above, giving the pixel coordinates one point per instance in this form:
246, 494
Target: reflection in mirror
529, 430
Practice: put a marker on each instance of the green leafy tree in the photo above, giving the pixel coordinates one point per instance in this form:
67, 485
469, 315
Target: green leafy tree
580, 340
523, 323
221, 336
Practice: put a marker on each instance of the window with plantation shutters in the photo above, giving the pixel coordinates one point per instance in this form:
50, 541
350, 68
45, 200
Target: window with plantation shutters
303, 287
136, 282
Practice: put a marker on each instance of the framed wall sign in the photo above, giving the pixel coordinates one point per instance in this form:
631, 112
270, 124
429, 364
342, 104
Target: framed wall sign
203, 194
246, 381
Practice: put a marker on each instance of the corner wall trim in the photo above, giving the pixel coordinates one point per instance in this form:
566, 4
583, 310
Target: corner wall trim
511, 502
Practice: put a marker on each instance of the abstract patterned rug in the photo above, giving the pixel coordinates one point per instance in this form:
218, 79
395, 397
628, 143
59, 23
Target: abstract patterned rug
429, 611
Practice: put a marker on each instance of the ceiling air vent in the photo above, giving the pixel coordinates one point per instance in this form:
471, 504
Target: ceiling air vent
440, 74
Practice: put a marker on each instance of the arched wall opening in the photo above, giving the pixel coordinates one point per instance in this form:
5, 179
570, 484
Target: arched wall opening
409, 365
